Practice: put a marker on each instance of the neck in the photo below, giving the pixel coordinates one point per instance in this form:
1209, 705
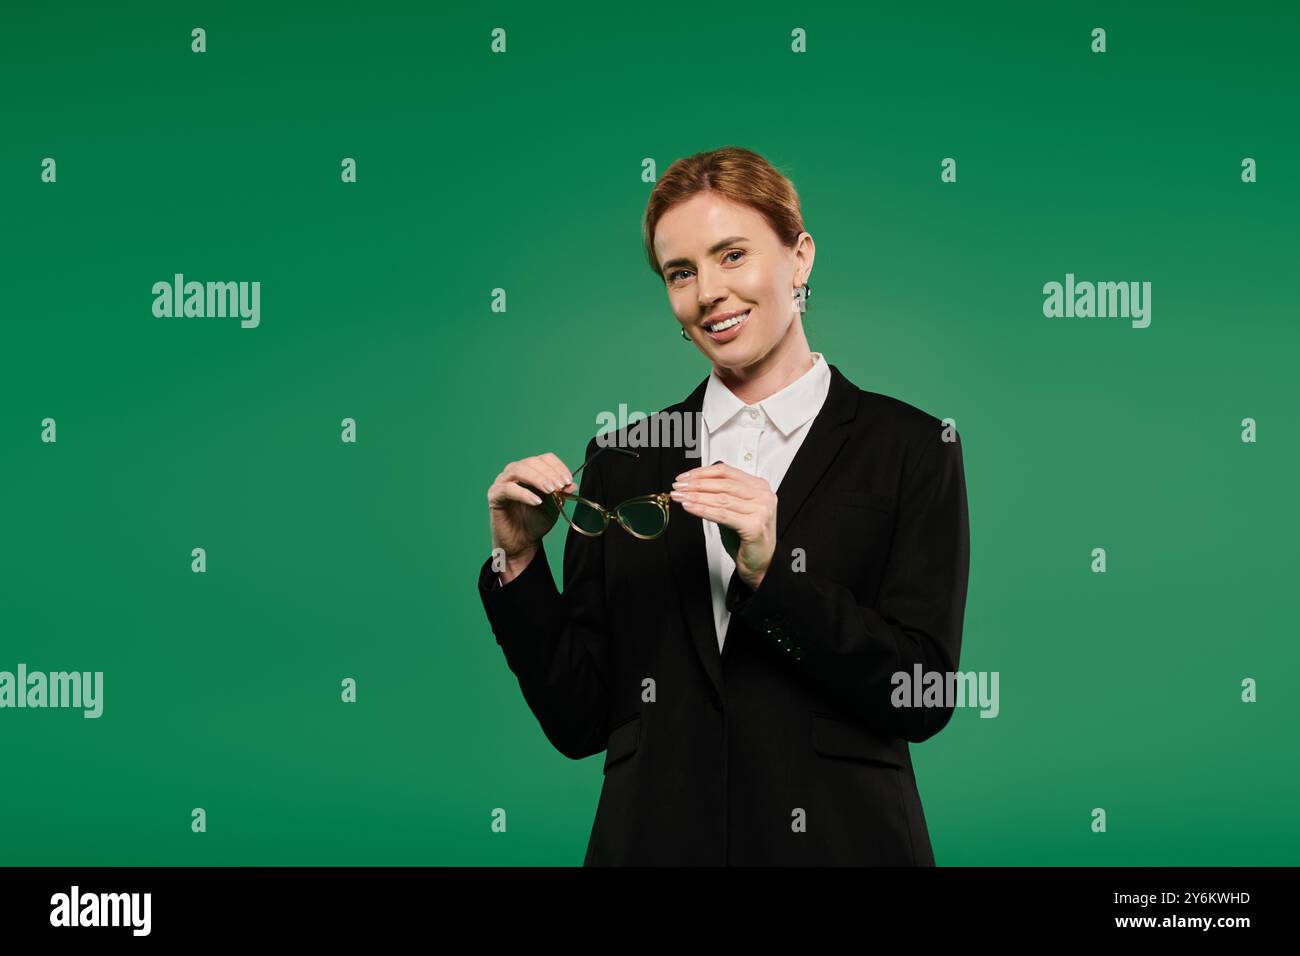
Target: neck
786, 362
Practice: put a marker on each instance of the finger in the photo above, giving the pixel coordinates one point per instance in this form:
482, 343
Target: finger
721, 516
519, 493
564, 476
555, 473
512, 491
525, 473
721, 470
720, 500
529, 471
728, 485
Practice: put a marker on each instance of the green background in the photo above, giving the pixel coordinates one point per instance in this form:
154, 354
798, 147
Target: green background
523, 171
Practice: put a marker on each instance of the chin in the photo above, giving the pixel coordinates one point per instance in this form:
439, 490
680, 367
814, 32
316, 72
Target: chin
737, 360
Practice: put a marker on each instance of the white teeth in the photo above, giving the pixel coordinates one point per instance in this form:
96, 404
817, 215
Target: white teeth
727, 323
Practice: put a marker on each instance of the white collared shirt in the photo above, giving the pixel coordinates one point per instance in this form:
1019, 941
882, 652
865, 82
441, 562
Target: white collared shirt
760, 439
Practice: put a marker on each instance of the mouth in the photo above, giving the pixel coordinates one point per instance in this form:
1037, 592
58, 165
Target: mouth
726, 328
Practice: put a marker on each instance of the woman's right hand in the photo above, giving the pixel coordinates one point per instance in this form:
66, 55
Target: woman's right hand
519, 517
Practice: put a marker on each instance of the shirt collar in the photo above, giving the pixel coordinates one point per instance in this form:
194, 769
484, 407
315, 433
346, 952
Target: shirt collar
788, 409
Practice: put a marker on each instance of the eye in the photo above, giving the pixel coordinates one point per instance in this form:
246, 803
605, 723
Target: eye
672, 276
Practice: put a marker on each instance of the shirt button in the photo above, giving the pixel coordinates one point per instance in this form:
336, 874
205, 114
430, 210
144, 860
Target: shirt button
753, 413
749, 455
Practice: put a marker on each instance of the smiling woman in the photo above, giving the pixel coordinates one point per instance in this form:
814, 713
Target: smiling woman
736, 666
724, 232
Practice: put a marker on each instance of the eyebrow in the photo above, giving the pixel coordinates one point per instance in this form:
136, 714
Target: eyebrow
716, 247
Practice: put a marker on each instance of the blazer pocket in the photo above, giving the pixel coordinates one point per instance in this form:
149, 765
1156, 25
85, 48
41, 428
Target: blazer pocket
838, 738
623, 741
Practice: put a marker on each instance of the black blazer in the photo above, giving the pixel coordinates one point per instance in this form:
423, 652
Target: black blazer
784, 749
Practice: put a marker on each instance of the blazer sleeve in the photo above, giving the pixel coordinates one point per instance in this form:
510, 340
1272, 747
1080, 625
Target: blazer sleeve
849, 651
557, 643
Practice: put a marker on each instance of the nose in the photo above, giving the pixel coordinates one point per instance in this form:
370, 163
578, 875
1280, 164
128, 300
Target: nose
711, 289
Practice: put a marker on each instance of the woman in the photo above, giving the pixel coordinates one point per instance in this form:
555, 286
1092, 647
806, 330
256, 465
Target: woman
737, 663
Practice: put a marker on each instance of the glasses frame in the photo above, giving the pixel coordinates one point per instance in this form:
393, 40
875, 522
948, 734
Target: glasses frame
662, 500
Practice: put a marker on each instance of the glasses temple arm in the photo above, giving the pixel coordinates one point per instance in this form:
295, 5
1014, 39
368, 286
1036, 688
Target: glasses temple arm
621, 451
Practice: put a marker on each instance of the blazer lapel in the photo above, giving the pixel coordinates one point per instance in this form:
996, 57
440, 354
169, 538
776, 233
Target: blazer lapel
826, 435
686, 552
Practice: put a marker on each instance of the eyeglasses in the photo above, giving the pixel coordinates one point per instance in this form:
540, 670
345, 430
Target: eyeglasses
644, 517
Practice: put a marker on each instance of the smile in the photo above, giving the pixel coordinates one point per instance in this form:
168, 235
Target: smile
727, 329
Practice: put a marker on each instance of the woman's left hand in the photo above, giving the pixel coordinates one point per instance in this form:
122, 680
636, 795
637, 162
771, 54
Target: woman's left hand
737, 500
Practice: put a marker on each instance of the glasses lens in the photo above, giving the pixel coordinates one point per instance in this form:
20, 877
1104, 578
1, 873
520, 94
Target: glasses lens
642, 517
583, 516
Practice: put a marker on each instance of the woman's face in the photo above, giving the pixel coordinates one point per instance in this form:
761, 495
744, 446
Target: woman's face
720, 257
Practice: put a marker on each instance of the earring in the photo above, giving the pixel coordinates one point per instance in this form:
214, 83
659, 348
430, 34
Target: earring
685, 336
801, 303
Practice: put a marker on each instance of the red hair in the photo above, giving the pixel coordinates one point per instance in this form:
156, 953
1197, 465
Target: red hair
737, 174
